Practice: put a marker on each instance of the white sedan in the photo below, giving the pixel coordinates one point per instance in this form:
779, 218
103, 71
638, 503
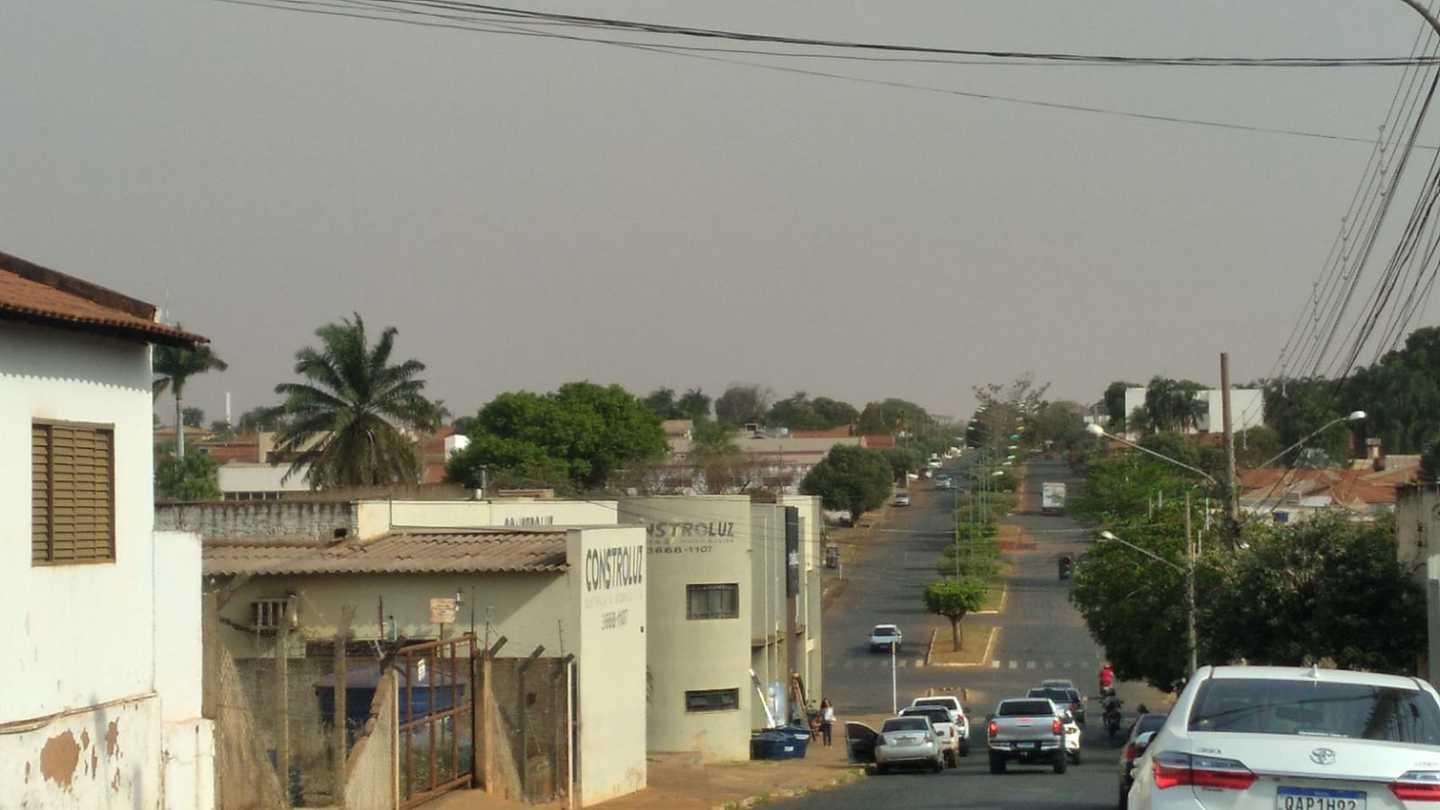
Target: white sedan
1289, 738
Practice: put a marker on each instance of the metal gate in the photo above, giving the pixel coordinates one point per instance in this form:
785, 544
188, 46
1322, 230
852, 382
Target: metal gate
437, 718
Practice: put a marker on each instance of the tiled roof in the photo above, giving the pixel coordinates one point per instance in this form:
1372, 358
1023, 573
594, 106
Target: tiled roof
433, 553
1345, 486
38, 294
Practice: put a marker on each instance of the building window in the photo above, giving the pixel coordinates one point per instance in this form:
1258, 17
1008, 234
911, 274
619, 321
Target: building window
712, 700
72, 493
712, 601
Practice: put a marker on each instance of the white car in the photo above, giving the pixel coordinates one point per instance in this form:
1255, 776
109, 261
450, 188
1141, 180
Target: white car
945, 729
884, 636
902, 499
1290, 738
908, 741
957, 715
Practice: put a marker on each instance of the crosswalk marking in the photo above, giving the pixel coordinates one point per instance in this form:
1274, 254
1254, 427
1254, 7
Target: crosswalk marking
1014, 664
1029, 664
994, 664
1049, 664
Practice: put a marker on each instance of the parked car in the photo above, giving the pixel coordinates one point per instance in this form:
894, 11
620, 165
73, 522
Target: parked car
957, 713
1320, 738
1026, 730
885, 635
944, 725
1145, 724
908, 741
902, 499
1058, 683
1068, 699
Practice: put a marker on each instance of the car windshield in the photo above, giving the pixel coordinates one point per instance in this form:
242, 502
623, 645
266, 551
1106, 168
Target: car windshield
936, 714
1148, 722
1316, 708
943, 703
1026, 708
884, 631
905, 724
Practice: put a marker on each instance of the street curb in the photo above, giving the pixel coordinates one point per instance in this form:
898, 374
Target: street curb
851, 775
930, 648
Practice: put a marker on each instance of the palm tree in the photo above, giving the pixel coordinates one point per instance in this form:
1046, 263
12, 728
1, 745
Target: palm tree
173, 366
347, 421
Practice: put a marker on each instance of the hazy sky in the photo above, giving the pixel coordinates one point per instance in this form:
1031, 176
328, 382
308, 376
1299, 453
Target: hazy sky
529, 212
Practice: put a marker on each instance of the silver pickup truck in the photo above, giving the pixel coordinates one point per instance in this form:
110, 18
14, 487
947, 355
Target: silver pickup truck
1027, 730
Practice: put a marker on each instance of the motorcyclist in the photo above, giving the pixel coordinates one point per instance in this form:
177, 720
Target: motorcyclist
1107, 680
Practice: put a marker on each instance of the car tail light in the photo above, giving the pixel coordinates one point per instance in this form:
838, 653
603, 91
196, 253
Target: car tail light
1130, 752
1056, 727
1173, 768
1417, 786
994, 728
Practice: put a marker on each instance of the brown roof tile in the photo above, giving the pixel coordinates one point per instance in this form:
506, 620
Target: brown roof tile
436, 553
38, 294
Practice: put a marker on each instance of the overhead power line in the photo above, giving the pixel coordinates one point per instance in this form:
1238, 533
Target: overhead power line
341, 8
481, 12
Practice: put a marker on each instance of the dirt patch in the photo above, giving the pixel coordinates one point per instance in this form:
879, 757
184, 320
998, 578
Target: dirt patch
975, 645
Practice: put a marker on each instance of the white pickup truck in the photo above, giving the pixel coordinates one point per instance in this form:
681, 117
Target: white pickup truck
1027, 730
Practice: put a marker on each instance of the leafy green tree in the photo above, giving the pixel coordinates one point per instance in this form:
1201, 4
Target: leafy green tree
742, 404
850, 478
1257, 445
222, 430
954, 599
1430, 464
1298, 407
573, 438
709, 436
799, 412
1172, 405
661, 402
1115, 404
904, 459
1327, 587
695, 404
834, 412
195, 477
345, 424
192, 417
173, 367
891, 416
1060, 423
261, 418
1400, 395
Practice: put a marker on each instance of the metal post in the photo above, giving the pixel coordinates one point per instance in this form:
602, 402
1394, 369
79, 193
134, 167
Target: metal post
282, 703
1192, 640
894, 693
1232, 493
342, 634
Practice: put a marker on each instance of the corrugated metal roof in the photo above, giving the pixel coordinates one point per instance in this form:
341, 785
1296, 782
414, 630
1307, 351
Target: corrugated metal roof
31, 292
437, 553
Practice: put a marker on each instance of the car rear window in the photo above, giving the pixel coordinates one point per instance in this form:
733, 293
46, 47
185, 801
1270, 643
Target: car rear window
1148, 722
936, 714
884, 631
1026, 708
1057, 695
943, 703
904, 724
1316, 708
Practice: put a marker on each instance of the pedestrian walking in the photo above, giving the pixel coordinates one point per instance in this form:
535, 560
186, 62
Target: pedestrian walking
827, 720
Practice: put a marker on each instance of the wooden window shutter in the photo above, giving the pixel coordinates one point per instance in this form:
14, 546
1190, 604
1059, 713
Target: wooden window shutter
79, 494
39, 494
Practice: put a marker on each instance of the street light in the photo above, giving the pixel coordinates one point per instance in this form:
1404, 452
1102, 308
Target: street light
1095, 430
1353, 416
1189, 573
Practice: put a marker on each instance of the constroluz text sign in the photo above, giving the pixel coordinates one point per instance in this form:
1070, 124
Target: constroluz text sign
614, 567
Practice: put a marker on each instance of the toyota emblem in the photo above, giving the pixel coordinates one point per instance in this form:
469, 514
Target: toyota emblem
1322, 756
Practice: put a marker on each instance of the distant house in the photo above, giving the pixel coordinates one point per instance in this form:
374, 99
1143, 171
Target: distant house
99, 613
1247, 409
1288, 495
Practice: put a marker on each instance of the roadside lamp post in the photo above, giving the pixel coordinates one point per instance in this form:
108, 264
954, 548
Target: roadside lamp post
894, 699
1188, 572
1353, 416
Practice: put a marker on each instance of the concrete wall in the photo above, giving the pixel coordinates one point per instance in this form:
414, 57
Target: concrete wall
811, 606
526, 608
109, 757
694, 540
513, 513
768, 611
259, 518
608, 620
371, 775
1247, 409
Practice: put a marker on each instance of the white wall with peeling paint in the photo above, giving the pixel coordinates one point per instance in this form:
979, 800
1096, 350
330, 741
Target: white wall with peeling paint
101, 662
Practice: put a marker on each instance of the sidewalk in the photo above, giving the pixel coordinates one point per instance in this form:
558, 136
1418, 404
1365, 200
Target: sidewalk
681, 782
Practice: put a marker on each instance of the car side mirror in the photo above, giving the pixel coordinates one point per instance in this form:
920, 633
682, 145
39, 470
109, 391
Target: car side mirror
1143, 741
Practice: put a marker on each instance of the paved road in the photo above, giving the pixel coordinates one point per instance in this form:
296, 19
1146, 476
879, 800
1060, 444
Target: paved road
1039, 636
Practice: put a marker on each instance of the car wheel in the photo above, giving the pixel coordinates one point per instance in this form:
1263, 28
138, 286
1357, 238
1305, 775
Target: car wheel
938, 765
951, 759
997, 764
1061, 762
882, 768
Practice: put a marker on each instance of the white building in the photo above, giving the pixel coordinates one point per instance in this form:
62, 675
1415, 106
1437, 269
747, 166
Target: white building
1247, 409
100, 614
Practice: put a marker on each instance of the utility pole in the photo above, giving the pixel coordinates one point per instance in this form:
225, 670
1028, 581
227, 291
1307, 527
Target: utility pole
342, 741
1193, 641
282, 695
1232, 493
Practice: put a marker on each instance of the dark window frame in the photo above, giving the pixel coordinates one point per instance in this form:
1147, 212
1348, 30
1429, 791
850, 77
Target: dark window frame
732, 588
43, 552
697, 700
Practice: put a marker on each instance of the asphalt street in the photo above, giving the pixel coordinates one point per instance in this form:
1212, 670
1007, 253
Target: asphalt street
1037, 635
